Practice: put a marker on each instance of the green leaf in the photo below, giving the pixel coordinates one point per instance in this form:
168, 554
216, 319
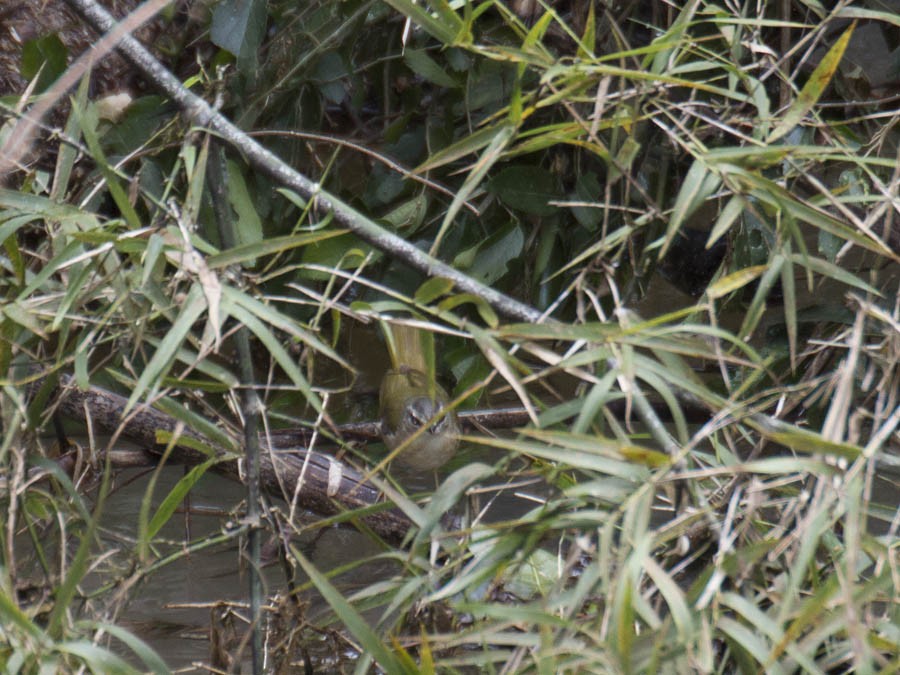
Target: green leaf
735, 281
432, 289
282, 357
270, 315
176, 496
24, 317
422, 64
587, 46
249, 224
448, 495
87, 119
46, 55
698, 185
498, 135
250, 251
533, 578
408, 215
13, 617
98, 659
579, 451
195, 170
624, 159
344, 252
485, 311
526, 188
12, 225
789, 297
851, 12
491, 553
191, 310
749, 640
677, 603
352, 620
445, 26
487, 261
331, 73
238, 27
141, 649
827, 269
726, 219
25, 203
805, 440
140, 120
487, 159
589, 191
815, 86
758, 305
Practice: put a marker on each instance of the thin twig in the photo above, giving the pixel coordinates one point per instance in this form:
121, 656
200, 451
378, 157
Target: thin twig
384, 159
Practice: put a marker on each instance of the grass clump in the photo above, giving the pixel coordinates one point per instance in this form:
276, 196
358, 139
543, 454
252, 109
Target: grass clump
696, 207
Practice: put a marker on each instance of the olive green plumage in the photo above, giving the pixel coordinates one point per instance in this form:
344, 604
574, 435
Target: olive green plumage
414, 413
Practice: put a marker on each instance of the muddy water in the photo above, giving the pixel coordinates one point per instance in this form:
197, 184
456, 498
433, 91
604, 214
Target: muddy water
171, 609
160, 609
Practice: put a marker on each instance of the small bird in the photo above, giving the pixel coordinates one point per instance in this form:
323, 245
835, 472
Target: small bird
414, 413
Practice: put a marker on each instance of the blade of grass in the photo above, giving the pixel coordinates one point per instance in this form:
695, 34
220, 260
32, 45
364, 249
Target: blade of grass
352, 620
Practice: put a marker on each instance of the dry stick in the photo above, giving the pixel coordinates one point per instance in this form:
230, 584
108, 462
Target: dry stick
472, 421
377, 156
330, 487
203, 115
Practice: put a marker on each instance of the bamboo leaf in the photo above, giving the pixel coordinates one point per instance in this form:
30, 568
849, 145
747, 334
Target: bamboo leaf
448, 495
276, 319
697, 186
278, 352
351, 619
245, 253
444, 27
193, 307
176, 496
140, 648
497, 135
488, 158
814, 88
805, 440
735, 281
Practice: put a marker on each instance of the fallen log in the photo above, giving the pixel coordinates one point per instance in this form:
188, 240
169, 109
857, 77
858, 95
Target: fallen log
319, 482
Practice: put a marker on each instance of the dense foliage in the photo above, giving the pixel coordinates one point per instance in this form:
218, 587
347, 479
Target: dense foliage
702, 200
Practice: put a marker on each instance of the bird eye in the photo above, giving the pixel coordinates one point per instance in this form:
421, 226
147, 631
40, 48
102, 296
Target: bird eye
412, 418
